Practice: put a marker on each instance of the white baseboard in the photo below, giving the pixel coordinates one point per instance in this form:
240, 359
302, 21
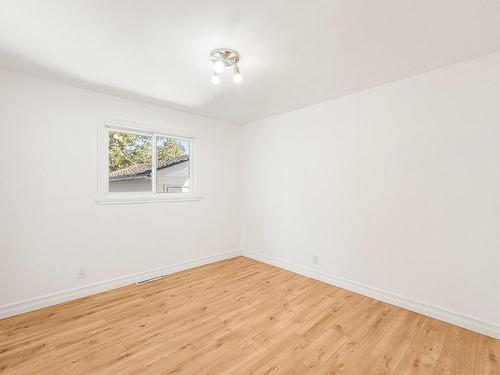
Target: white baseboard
460, 320
473, 324
71, 294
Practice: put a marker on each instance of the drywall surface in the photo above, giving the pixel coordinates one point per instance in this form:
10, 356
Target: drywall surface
50, 223
396, 188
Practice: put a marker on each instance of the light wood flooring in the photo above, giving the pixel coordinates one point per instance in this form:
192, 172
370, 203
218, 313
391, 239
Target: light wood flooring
238, 316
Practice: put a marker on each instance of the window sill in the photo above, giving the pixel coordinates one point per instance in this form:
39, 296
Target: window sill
146, 199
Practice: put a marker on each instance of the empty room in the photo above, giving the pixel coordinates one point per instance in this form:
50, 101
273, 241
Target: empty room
250, 187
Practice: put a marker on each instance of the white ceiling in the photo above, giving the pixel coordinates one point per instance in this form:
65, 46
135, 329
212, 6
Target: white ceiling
294, 52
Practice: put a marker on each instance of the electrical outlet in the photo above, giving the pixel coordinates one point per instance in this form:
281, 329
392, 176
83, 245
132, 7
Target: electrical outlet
315, 259
81, 273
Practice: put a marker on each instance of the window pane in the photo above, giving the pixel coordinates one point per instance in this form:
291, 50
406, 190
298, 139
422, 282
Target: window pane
130, 160
173, 174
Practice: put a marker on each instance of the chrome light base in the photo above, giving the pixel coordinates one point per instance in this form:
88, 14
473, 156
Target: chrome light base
228, 56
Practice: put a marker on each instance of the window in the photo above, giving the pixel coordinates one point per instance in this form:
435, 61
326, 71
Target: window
129, 162
172, 165
145, 166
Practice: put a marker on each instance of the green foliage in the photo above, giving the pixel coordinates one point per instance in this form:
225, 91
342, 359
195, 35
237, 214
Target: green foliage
168, 149
129, 149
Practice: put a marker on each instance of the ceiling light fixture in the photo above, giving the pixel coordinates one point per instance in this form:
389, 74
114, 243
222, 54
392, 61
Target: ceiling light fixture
219, 66
237, 77
225, 58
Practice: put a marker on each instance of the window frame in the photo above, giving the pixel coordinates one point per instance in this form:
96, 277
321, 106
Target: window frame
104, 196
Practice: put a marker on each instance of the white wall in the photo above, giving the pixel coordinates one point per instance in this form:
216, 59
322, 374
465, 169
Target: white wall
49, 221
396, 188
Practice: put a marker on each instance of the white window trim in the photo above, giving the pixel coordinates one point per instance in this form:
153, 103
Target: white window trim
103, 194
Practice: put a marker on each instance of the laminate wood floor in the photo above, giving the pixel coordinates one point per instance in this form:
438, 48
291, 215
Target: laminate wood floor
238, 316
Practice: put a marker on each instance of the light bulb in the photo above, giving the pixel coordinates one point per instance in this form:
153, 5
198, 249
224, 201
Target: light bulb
219, 66
215, 79
237, 77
